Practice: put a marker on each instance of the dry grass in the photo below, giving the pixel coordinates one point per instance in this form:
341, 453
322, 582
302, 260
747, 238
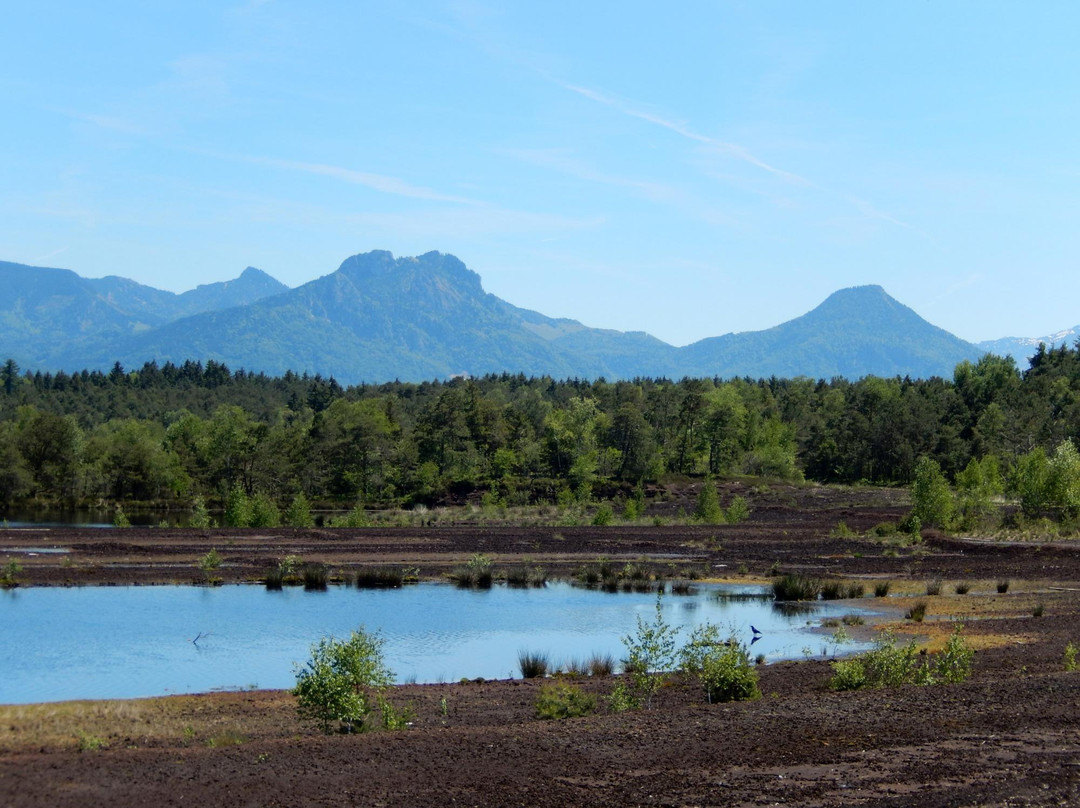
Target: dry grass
160, 722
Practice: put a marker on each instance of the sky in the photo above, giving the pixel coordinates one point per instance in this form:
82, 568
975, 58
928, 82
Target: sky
687, 170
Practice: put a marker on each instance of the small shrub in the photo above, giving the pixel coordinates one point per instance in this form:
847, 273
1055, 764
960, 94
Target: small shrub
933, 588
890, 665
11, 570
796, 587
852, 620
357, 517
1070, 657
120, 519
604, 516
651, 653
848, 674
917, 612
842, 531
211, 561
881, 589
532, 664
476, 572
1003, 586
955, 661
341, 681
90, 743
883, 529
1039, 610
722, 667
623, 698
963, 588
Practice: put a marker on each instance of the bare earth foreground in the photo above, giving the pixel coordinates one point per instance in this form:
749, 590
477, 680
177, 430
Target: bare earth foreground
1008, 736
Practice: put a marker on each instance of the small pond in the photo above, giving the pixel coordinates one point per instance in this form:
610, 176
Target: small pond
127, 642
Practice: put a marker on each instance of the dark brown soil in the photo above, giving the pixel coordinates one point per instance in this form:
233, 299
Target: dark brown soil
1008, 736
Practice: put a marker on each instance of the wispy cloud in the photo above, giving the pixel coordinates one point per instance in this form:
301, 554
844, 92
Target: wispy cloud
733, 149
48, 255
376, 182
111, 123
560, 160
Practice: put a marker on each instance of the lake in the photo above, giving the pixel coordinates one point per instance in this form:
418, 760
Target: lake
127, 642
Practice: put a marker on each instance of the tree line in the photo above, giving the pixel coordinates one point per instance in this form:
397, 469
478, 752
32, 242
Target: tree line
173, 433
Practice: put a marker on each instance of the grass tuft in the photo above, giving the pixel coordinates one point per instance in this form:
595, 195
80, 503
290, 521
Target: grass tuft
796, 587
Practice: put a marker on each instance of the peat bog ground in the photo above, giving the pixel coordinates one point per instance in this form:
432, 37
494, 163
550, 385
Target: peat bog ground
1009, 735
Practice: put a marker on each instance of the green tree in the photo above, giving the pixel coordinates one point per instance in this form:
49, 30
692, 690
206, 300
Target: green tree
343, 681
931, 499
707, 510
1030, 481
298, 513
1063, 481
237, 507
9, 376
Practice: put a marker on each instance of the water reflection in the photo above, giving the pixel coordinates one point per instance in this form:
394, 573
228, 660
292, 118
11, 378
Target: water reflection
117, 642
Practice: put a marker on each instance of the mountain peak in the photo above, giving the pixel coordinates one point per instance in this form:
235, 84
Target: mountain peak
434, 265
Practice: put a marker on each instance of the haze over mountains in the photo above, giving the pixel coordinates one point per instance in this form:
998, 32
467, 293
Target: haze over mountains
379, 318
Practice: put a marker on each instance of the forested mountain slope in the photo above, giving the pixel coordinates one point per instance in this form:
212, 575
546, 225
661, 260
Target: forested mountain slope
379, 318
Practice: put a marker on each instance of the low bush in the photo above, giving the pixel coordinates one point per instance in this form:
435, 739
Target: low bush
848, 674
561, 700
842, 531
1003, 586
953, 664
476, 572
933, 588
892, 665
963, 588
533, 664
796, 587
881, 589
604, 516
1070, 657
722, 666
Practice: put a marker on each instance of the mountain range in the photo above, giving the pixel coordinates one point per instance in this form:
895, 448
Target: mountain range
379, 318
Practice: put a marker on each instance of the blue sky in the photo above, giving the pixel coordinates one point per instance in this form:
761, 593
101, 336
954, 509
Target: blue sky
686, 171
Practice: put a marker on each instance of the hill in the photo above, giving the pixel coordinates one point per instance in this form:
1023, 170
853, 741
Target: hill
379, 318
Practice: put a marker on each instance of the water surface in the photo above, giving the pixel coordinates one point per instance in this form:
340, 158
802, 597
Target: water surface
126, 642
